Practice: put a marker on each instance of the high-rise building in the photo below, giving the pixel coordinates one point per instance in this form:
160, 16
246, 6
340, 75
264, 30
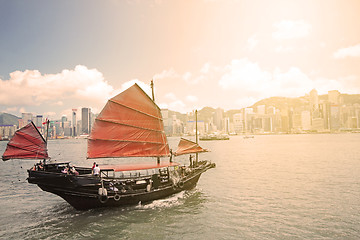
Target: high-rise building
334, 117
218, 119
334, 97
73, 123
38, 121
167, 121
25, 119
239, 123
314, 100
85, 120
63, 120
305, 120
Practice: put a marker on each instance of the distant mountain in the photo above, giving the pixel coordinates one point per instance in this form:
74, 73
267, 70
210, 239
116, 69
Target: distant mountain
281, 102
9, 119
351, 98
284, 102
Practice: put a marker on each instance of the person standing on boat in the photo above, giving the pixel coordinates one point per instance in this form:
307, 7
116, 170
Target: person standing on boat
96, 170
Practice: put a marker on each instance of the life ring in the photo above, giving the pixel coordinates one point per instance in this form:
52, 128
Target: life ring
103, 198
117, 197
180, 184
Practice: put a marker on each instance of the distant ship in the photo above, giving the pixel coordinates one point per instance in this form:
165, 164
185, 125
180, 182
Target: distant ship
130, 125
248, 136
209, 137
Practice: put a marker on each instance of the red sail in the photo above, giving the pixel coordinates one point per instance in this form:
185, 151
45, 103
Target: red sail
130, 125
186, 147
27, 143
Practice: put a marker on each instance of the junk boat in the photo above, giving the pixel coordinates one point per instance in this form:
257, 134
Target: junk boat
130, 125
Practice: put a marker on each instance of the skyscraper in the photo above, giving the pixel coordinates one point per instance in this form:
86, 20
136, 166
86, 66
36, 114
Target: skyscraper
334, 97
314, 100
85, 120
73, 128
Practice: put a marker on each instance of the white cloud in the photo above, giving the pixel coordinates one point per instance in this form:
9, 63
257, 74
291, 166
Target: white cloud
252, 42
246, 76
31, 88
193, 80
187, 76
352, 51
241, 74
205, 69
242, 82
178, 105
292, 83
288, 29
170, 73
284, 49
191, 98
145, 87
170, 96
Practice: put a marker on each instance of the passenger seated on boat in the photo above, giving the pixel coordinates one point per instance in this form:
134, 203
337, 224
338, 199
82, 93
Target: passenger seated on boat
73, 170
112, 187
40, 166
96, 170
65, 170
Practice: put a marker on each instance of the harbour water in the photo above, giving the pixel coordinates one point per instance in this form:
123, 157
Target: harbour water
267, 187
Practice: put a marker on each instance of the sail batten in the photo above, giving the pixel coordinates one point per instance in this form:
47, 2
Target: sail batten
110, 121
27, 143
115, 140
135, 109
130, 125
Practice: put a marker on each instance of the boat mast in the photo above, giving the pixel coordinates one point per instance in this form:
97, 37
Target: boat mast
196, 136
152, 90
153, 98
47, 135
47, 131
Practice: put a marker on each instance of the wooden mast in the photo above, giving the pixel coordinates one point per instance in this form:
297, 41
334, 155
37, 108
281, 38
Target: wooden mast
196, 136
153, 98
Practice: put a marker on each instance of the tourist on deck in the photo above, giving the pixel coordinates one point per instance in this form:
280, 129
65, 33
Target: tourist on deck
112, 187
96, 170
73, 170
40, 166
65, 170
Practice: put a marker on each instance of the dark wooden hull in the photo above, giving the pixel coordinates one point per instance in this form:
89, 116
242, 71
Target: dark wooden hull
82, 191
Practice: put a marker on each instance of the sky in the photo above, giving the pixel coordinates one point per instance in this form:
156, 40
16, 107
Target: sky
59, 55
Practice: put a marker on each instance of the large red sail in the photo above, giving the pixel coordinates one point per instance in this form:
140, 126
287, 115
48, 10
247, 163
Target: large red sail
27, 143
130, 125
187, 147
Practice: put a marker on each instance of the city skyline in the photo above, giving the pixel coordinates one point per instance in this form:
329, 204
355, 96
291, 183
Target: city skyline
312, 113
79, 114
227, 54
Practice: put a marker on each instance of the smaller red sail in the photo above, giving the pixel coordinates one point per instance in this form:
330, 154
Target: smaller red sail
27, 143
187, 147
